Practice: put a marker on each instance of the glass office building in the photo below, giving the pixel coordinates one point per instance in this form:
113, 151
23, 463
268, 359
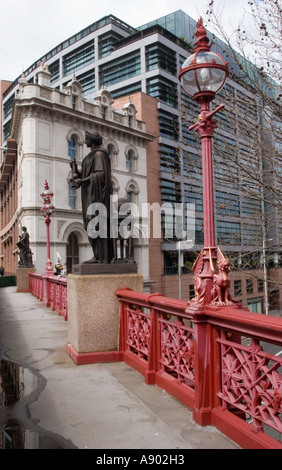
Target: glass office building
146, 59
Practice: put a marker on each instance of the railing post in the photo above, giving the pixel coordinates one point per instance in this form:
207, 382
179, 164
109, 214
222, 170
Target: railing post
202, 412
46, 291
65, 302
122, 327
36, 288
150, 374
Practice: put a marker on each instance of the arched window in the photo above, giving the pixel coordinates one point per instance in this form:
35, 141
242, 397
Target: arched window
116, 187
131, 157
130, 161
110, 149
130, 195
72, 148
72, 151
132, 191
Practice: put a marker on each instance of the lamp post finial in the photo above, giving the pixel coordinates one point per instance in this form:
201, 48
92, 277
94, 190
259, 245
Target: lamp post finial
201, 35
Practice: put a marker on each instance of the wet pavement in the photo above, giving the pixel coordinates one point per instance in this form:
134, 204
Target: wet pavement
47, 402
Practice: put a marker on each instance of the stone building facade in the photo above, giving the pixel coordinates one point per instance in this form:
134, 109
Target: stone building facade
49, 127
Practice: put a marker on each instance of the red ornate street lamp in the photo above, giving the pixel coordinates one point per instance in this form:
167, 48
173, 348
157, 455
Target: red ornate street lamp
202, 75
47, 209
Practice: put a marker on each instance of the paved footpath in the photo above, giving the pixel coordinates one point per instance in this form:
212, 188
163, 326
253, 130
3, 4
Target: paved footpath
96, 406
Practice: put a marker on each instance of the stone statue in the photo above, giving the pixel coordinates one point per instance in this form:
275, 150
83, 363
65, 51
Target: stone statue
94, 179
25, 254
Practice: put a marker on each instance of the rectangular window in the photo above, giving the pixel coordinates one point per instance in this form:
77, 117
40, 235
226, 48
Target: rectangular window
255, 305
199, 231
106, 43
225, 161
226, 121
251, 206
170, 191
169, 125
87, 81
192, 165
193, 195
8, 106
163, 90
190, 138
237, 287
78, 58
160, 56
7, 130
129, 90
54, 69
252, 234
190, 107
171, 259
170, 262
248, 106
228, 233
226, 175
260, 285
249, 286
227, 203
120, 69
169, 160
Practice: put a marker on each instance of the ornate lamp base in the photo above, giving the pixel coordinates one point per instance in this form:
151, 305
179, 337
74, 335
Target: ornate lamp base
211, 278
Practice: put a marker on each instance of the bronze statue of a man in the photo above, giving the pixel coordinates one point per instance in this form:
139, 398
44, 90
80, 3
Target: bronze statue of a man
25, 251
94, 179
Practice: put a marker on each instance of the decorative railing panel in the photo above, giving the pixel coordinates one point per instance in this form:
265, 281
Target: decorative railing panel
252, 383
219, 361
222, 362
52, 290
177, 351
138, 331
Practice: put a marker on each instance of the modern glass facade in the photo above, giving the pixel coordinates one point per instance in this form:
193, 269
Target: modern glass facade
107, 43
120, 69
78, 59
160, 56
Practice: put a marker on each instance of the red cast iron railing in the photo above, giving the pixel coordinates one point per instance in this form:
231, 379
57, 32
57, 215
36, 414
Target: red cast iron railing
51, 290
222, 362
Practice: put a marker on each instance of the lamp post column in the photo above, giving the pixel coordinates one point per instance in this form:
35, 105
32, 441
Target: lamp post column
48, 266
205, 126
203, 74
47, 209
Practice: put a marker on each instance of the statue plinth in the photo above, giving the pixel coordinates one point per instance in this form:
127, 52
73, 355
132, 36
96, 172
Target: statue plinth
105, 268
93, 315
23, 278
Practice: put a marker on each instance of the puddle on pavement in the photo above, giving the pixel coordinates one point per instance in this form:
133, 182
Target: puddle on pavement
19, 386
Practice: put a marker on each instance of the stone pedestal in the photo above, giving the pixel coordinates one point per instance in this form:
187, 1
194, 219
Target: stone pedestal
93, 315
23, 278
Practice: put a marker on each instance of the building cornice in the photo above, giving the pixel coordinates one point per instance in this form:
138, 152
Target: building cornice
53, 106
58, 213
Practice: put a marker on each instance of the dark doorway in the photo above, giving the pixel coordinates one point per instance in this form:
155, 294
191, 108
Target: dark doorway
72, 252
